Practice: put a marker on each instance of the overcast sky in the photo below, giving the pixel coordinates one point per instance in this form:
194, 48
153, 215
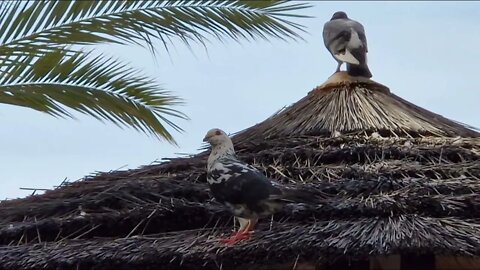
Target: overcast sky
426, 52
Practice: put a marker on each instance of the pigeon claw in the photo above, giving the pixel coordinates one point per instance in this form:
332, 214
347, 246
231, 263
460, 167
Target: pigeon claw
237, 237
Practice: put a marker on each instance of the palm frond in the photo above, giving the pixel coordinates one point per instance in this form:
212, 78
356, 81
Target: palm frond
104, 89
91, 22
42, 68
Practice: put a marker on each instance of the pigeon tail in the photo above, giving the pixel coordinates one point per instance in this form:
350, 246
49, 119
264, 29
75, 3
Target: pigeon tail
359, 70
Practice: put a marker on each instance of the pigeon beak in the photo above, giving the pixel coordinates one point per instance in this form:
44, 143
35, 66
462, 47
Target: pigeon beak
206, 138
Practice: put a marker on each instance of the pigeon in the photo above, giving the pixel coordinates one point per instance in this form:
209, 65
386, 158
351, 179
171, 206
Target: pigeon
246, 192
345, 39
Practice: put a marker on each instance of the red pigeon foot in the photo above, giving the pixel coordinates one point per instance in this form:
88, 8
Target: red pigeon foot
237, 237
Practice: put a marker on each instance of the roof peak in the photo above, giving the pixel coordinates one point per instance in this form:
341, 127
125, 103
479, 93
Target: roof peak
346, 104
342, 79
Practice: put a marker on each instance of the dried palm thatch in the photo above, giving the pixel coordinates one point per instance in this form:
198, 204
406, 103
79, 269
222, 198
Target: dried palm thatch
399, 180
343, 105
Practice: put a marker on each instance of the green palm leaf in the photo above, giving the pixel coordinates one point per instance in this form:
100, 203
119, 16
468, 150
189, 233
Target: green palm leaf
42, 67
90, 22
105, 89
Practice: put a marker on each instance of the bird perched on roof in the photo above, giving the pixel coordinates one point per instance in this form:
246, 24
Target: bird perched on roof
246, 192
345, 39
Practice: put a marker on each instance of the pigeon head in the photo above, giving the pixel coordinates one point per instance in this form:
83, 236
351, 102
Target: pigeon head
216, 137
339, 15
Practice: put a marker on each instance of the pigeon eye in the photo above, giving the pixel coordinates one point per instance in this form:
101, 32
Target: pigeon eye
218, 132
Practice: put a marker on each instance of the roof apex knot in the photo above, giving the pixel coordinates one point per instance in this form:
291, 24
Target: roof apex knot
341, 80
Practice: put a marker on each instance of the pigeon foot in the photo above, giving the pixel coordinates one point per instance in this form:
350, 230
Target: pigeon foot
237, 237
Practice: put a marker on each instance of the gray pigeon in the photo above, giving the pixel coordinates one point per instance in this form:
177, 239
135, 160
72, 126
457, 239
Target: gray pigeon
345, 39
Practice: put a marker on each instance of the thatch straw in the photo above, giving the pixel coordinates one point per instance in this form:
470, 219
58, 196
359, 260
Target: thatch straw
345, 105
282, 242
416, 192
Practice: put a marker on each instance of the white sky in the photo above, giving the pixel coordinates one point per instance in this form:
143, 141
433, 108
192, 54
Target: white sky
426, 52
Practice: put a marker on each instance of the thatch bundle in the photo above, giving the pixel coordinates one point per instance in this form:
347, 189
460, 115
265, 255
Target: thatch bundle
398, 180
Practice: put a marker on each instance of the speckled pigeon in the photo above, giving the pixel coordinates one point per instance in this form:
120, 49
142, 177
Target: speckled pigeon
244, 190
345, 39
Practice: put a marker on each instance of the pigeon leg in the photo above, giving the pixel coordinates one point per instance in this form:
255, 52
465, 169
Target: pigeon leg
338, 66
243, 223
243, 232
249, 229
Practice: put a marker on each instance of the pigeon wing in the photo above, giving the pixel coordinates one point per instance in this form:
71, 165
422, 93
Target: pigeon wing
358, 27
244, 187
248, 185
336, 36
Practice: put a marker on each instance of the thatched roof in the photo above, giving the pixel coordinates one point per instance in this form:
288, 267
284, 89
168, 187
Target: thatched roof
354, 106
399, 178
